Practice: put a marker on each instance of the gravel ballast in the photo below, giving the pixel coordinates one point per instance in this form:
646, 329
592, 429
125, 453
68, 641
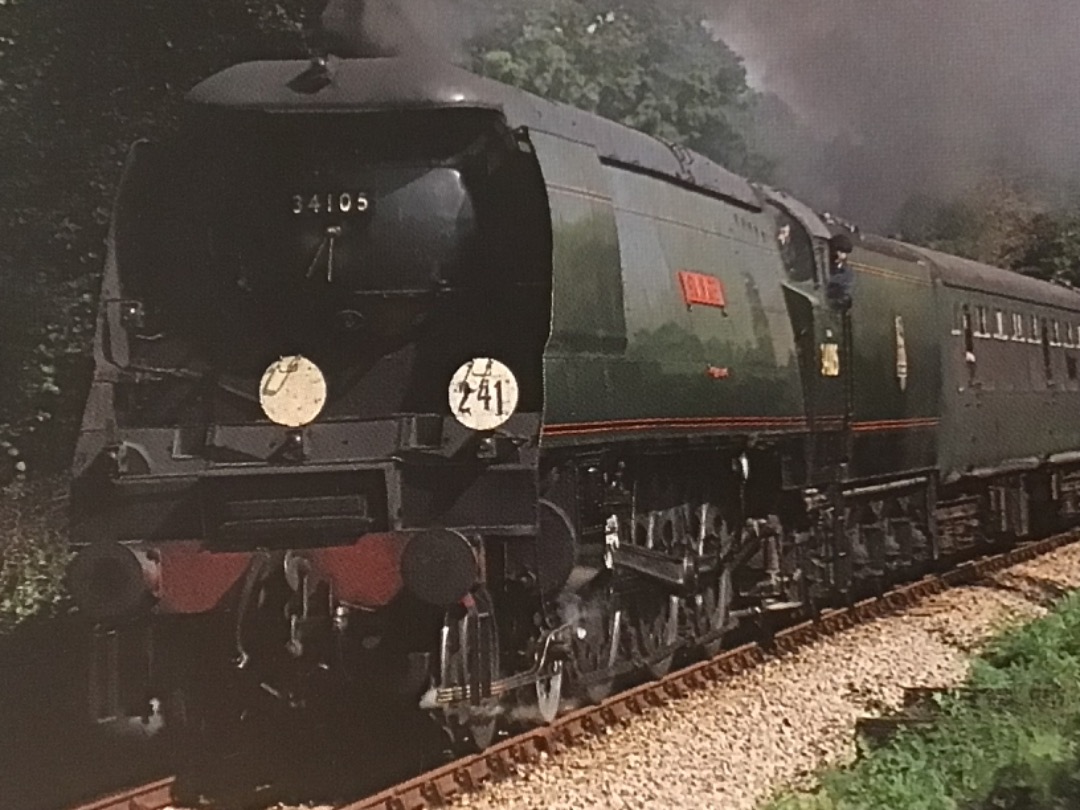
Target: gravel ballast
733, 745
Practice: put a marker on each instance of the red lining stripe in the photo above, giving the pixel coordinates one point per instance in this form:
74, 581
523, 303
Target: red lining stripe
793, 423
789, 422
895, 424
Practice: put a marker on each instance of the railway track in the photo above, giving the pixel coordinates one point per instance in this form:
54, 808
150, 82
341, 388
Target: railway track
522, 752
151, 796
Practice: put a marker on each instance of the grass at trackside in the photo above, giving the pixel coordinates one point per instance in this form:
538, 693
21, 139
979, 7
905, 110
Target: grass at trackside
33, 552
1012, 744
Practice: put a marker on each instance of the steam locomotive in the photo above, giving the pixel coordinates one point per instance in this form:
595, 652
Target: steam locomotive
413, 385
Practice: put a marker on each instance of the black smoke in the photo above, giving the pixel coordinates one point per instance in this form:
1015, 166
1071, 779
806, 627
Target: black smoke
893, 99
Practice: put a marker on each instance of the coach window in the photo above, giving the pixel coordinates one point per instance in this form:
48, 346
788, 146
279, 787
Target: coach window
1033, 329
999, 324
1070, 335
1017, 326
969, 337
982, 323
1055, 333
1047, 364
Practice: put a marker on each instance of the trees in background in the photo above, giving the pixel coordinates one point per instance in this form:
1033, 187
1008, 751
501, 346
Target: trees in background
650, 65
1004, 223
79, 81
1051, 250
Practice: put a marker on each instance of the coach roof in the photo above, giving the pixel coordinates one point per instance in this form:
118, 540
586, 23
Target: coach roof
954, 271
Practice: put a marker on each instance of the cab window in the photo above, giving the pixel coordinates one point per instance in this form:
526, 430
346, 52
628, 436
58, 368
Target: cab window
796, 246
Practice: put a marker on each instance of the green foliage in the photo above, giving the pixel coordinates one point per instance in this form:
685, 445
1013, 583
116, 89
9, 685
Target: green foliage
1002, 224
33, 552
650, 66
1051, 250
78, 83
1012, 740
988, 223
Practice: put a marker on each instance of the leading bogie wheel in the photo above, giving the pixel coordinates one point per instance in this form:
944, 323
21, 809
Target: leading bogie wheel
471, 725
549, 692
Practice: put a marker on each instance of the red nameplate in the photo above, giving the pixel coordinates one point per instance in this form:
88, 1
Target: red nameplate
698, 288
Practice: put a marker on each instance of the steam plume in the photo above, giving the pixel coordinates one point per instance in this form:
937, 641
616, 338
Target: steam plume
433, 29
921, 96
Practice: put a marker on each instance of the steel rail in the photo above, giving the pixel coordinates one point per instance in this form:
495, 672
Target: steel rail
151, 796
520, 753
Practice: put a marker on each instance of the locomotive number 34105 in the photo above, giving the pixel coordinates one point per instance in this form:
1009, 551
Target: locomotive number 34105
344, 202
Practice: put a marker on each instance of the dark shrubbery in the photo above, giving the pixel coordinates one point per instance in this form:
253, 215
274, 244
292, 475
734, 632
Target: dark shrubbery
33, 551
78, 83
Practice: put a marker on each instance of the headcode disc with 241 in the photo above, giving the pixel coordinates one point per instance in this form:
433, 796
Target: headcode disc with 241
483, 394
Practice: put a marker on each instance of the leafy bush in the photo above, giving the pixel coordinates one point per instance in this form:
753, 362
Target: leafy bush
33, 551
1002, 222
651, 66
78, 83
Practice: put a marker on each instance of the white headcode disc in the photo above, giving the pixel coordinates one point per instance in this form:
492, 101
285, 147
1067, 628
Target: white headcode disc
483, 394
293, 391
